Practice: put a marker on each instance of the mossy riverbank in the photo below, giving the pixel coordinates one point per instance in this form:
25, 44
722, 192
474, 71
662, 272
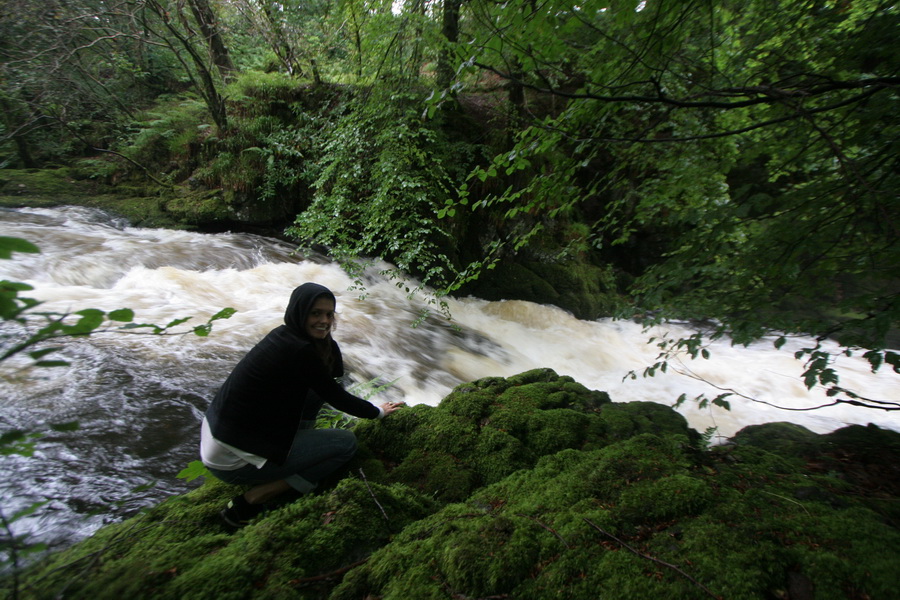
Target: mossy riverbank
142, 204
530, 487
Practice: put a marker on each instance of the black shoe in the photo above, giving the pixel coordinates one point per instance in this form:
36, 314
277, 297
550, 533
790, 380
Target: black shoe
239, 512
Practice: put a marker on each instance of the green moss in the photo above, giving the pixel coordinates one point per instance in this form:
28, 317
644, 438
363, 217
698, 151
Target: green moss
564, 503
506, 532
560, 529
585, 290
436, 474
622, 421
43, 187
498, 454
783, 438
667, 498
197, 206
140, 204
493, 427
180, 550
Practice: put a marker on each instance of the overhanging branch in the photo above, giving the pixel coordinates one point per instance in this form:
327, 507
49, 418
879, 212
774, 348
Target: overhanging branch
757, 94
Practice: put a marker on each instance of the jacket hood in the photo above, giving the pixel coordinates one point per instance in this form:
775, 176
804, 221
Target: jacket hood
302, 299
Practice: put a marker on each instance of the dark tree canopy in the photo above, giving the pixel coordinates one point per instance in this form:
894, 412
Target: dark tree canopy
730, 161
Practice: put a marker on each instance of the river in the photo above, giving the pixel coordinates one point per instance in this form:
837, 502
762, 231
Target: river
138, 399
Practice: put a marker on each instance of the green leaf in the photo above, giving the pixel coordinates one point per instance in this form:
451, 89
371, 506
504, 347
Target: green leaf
17, 442
91, 319
11, 437
194, 470
123, 315
14, 287
8, 245
721, 402
43, 352
67, 426
893, 359
177, 322
28, 510
225, 313
156, 328
143, 487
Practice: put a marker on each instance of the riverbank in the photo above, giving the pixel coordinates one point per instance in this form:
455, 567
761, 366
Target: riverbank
48, 188
531, 487
142, 204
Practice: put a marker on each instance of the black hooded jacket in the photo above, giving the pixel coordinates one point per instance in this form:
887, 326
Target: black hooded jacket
259, 407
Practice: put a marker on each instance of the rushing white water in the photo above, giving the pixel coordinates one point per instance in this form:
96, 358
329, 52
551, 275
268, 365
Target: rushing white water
138, 399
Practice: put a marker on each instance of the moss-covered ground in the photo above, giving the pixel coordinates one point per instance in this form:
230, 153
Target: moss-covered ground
530, 487
143, 204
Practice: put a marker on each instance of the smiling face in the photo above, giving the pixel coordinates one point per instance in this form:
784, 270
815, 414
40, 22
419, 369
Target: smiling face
320, 319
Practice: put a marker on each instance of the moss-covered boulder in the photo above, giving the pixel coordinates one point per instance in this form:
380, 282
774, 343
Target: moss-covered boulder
180, 549
586, 290
531, 487
863, 457
782, 438
488, 429
640, 518
138, 202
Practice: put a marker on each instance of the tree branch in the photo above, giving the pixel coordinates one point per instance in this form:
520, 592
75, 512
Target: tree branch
761, 94
790, 117
650, 558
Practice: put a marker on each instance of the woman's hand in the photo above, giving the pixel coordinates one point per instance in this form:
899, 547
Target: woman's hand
389, 407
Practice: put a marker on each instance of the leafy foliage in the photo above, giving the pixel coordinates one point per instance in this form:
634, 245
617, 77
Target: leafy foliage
757, 162
380, 178
734, 162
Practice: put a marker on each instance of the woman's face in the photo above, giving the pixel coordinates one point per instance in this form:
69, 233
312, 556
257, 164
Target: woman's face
320, 319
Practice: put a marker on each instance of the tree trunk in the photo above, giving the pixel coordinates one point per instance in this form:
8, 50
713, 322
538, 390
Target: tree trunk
357, 41
207, 86
450, 31
206, 19
9, 113
415, 58
279, 42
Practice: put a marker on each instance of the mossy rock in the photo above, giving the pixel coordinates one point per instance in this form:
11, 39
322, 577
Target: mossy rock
782, 438
585, 290
180, 550
865, 458
197, 207
870, 442
44, 187
139, 203
624, 420
530, 487
488, 429
641, 518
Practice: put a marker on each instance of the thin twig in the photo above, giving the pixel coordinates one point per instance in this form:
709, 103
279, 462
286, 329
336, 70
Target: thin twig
366, 481
788, 499
650, 558
861, 401
325, 576
551, 530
